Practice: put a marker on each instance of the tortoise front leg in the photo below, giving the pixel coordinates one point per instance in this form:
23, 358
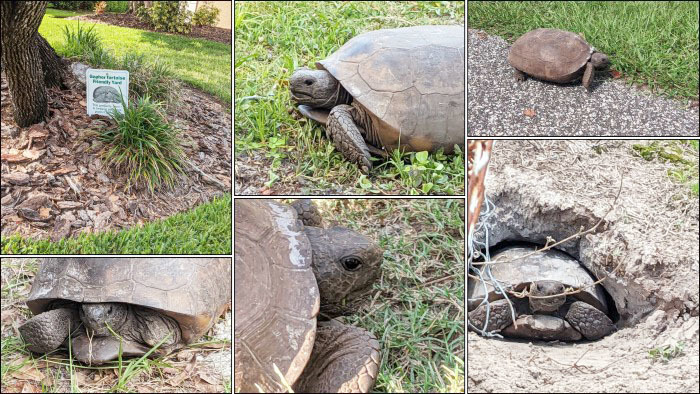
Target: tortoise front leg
589, 320
499, 316
519, 75
588, 76
46, 331
345, 359
308, 212
347, 138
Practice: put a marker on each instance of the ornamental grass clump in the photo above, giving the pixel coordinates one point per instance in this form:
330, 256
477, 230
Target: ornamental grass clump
144, 145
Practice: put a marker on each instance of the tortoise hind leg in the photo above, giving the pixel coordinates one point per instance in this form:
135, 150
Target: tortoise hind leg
345, 359
347, 137
519, 75
589, 320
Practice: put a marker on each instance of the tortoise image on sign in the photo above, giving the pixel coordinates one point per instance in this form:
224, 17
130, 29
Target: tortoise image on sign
386, 89
565, 317
143, 300
106, 94
289, 272
556, 56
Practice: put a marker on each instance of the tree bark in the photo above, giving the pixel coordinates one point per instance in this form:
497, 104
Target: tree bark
51, 64
21, 60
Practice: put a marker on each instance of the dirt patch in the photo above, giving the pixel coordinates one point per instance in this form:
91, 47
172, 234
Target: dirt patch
553, 188
54, 184
252, 172
132, 21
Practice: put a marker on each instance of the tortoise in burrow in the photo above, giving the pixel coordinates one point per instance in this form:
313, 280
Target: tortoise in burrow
386, 89
566, 318
141, 299
286, 270
555, 55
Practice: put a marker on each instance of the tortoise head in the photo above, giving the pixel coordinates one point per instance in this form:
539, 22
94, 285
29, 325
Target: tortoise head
345, 264
316, 88
599, 60
546, 288
96, 317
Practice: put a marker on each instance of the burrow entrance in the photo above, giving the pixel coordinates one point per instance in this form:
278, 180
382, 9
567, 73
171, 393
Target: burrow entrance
510, 220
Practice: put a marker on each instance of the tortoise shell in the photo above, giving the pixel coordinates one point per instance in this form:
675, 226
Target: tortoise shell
277, 298
549, 265
550, 54
410, 81
193, 291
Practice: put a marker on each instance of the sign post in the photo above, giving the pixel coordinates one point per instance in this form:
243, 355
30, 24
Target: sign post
105, 89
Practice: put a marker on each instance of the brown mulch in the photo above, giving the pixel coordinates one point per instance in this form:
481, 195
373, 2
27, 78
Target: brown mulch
132, 21
54, 184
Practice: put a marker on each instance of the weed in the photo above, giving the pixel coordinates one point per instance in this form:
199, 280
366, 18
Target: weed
666, 352
81, 41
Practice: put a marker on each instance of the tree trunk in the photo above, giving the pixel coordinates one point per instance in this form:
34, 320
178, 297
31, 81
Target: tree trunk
21, 60
52, 65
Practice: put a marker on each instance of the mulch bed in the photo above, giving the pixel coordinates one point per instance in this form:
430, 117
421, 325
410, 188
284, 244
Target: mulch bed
54, 184
132, 21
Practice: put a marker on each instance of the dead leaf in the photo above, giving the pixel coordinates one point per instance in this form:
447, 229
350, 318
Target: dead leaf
33, 154
28, 372
65, 170
17, 178
44, 213
61, 229
209, 379
69, 204
14, 158
37, 131
82, 102
529, 112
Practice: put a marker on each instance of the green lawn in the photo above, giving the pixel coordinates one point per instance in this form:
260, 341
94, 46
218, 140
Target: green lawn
203, 64
654, 44
204, 230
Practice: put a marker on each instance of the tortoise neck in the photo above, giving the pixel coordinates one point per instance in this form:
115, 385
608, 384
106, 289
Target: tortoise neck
341, 96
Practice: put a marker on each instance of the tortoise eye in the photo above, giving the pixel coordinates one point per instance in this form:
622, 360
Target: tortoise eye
351, 263
308, 82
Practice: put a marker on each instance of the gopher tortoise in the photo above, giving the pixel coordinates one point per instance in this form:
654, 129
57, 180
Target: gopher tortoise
549, 273
555, 55
386, 89
142, 299
286, 270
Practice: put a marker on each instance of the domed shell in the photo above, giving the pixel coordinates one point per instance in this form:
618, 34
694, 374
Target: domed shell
549, 265
550, 54
276, 295
192, 291
411, 82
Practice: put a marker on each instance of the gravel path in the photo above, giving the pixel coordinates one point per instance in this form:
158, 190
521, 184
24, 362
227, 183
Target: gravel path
498, 106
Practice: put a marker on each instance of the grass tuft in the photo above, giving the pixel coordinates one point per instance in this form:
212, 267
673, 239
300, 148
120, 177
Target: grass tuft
144, 145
